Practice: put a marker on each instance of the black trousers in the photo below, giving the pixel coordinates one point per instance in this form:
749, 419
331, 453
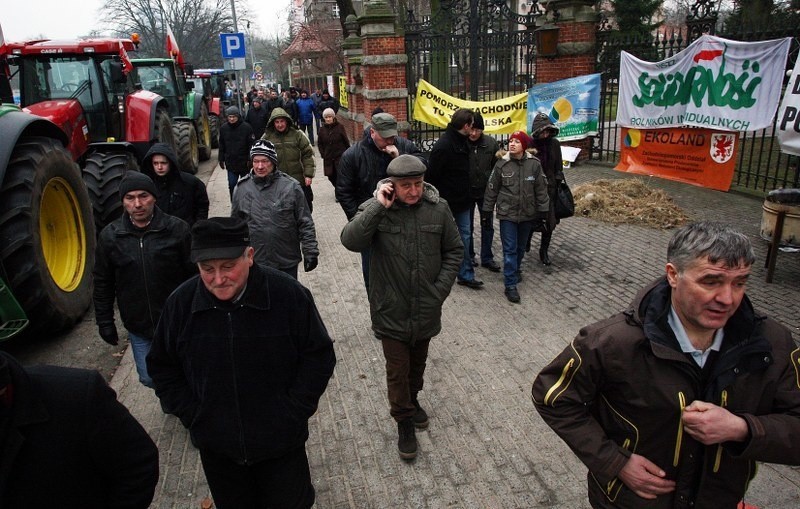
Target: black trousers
274, 483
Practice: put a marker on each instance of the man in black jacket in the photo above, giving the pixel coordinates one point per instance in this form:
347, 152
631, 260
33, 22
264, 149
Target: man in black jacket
141, 257
449, 173
178, 193
364, 164
241, 357
65, 441
235, 139
257, 117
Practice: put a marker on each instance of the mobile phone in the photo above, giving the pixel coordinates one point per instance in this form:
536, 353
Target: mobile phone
389, 194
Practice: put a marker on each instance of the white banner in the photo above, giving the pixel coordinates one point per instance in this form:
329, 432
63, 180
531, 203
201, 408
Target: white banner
714, 83
789, 114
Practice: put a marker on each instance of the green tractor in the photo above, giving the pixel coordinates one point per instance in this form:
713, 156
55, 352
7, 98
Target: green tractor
190, 118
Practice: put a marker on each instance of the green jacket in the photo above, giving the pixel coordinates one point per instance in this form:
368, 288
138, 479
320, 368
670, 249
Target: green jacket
519, 188
415, 253
295, 155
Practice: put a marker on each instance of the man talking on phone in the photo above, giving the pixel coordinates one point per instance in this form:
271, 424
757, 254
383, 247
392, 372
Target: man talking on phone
416, 252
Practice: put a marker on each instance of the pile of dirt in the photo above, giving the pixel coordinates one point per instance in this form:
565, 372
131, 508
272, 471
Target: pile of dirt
628, 201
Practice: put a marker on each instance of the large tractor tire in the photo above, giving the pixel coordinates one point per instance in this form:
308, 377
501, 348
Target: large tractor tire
213, 121
186, 146
164, 131
205, 134
47, 237
102, 175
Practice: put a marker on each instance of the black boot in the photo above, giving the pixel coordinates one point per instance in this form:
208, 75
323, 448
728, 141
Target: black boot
407, 440
421, 417
546, 236
528, 243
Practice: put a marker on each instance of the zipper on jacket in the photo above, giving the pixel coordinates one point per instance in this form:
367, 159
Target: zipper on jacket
560, 381
723, 403
679, 439
236, 390
145, 278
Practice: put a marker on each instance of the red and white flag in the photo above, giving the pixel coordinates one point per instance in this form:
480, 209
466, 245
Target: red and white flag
172, 47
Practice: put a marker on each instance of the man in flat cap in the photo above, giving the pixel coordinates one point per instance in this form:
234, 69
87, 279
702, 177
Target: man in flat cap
416, 252
241, 357
364, 164
141, 257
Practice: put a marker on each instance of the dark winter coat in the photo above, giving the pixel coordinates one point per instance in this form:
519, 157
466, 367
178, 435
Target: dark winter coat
257, 118
621, 385
66, 442
415, 254
449, 169
278, 217
332, 142
295, 154
270, 104
519, 189
328, 102
235, 141
548, 151
360, 169
245, 377
484, 157
178, 193
140, 268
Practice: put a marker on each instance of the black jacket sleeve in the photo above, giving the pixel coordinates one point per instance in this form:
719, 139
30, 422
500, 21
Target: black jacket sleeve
104, 282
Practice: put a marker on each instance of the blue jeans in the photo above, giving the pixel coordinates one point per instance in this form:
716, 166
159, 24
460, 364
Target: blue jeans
233, 178
513, 236
466, 272
487, 234
141, 347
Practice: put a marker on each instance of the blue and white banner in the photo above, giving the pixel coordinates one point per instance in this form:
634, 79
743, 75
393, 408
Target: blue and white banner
572, 105
714, 83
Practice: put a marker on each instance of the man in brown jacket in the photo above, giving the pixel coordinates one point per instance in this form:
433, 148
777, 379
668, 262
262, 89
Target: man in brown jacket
670, 403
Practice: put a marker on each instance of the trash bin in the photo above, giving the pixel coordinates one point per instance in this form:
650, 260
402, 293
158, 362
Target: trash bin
788, 202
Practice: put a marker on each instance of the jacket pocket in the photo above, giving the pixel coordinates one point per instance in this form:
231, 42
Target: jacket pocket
390, 240
430, 238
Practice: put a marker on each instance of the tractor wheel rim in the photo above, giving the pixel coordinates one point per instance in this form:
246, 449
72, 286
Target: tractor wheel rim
62, 234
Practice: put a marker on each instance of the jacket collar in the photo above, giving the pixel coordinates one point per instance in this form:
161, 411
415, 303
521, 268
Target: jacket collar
156, 224
256, 295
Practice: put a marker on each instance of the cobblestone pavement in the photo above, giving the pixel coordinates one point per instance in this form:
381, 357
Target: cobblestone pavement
486, 447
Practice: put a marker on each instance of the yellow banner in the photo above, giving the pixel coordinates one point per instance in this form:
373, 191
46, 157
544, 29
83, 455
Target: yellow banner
501, 116
343, 102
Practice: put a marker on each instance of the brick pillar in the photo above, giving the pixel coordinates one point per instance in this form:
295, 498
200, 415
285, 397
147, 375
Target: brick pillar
352, 117
383, 65
576, 49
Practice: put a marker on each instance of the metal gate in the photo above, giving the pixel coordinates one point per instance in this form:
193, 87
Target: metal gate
477, 50
761, 166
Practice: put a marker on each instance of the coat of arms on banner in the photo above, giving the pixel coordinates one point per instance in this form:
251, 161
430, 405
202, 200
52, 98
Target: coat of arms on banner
721, 149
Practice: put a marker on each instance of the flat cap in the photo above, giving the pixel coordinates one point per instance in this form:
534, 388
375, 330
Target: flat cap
219, 238
135, 181
385, 125
404, 166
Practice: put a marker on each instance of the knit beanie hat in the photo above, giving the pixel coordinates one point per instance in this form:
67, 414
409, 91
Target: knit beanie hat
233, 110
521, 137
264, 148
135, 181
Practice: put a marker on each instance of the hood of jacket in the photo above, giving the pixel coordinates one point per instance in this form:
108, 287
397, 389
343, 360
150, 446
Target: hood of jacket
166, 151
429, 193
279, 113
505, 155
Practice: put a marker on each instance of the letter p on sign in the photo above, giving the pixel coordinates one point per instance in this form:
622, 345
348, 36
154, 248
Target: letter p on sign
232, 45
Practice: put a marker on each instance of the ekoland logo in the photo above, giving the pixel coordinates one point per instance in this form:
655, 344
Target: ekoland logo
561, 111
633, 138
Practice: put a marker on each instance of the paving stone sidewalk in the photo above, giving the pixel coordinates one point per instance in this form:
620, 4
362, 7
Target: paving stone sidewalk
486, 446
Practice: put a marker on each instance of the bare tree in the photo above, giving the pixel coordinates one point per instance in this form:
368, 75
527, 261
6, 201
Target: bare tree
195, 23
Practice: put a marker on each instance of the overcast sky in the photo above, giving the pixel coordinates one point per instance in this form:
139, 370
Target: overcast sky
68, 19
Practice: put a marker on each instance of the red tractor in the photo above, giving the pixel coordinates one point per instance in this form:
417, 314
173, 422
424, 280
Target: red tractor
211, 83
84, 87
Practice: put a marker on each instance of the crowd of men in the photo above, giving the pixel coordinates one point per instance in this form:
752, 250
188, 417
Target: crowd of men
234, 347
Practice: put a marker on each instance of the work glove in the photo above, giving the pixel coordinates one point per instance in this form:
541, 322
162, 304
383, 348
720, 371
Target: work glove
310, 263
541, 222
486, 221
109, 334
222, 164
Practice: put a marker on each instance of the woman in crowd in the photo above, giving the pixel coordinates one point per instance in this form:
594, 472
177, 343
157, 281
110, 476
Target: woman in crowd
548, 150
332, 142
519, 189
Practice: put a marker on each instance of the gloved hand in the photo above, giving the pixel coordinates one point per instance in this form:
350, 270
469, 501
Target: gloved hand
486, 221
541, 222
109, 334
310, 263
222, 164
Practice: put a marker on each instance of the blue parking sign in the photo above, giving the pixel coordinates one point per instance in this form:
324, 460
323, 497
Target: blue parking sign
232, 45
